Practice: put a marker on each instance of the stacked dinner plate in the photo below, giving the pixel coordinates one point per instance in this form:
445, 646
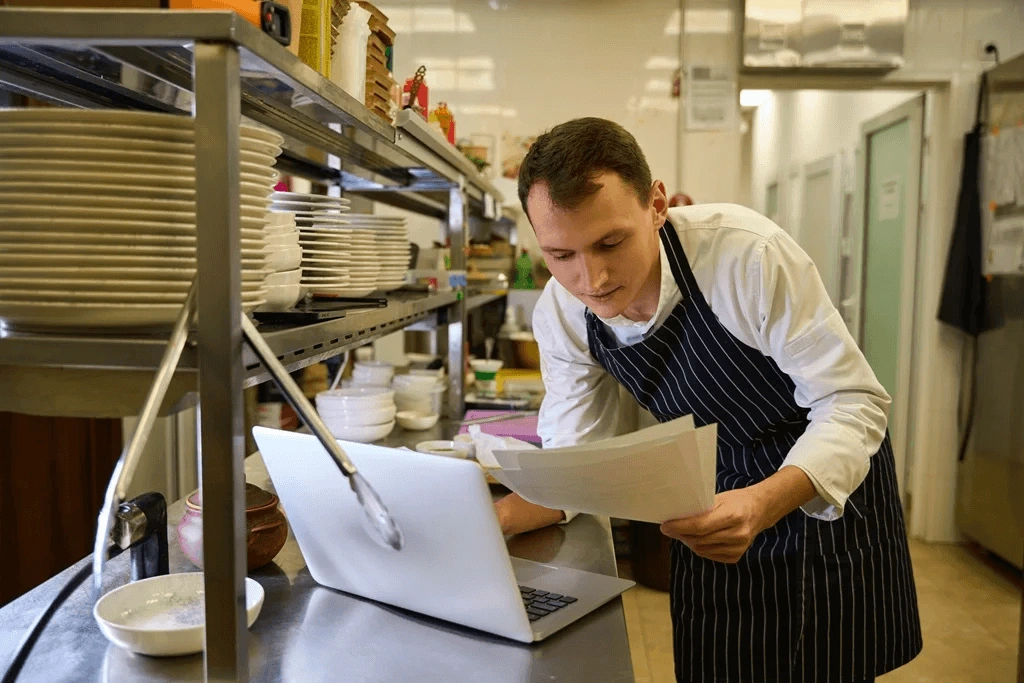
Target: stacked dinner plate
333, 257
392, 238
98, 221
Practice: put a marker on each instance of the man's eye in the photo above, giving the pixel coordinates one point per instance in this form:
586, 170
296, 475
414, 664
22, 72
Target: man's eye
563, 257
608, 246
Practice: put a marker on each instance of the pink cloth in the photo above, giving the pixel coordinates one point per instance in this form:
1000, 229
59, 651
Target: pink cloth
524, 428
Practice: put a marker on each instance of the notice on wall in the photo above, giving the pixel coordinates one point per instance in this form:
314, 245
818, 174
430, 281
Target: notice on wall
710, 98
1005, 252
890, 198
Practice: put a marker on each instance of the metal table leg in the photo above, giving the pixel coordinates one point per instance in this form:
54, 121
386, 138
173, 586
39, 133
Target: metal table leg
217, 124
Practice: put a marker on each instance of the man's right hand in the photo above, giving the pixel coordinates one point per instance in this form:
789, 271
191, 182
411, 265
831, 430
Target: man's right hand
518, 516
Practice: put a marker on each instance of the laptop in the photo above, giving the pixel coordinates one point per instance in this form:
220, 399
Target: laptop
454, 564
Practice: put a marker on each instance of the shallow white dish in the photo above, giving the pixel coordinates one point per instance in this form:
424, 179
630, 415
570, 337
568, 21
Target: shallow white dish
252, 228
183, 160
415, 421
367, 434
451, 449
283, 239
41, 315
164, 616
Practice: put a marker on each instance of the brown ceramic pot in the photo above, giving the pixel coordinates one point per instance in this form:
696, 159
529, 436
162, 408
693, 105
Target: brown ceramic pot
264, 521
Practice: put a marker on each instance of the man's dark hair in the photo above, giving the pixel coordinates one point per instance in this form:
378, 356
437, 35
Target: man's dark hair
568, 157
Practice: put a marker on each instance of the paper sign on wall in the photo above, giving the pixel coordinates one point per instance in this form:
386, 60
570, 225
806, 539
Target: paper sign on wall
890, 197
710, 98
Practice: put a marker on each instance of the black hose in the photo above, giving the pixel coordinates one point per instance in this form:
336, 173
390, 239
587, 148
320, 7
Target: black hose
29, 641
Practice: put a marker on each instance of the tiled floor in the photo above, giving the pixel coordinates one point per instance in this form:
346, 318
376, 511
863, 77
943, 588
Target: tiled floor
970, 614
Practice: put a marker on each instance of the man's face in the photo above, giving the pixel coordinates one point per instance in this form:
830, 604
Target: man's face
603, 250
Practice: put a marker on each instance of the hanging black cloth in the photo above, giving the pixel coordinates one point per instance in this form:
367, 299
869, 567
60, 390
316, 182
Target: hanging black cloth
966, 302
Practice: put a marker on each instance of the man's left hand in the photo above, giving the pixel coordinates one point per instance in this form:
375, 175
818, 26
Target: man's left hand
725, 532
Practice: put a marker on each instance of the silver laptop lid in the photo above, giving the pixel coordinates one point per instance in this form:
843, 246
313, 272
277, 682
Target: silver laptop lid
454, 565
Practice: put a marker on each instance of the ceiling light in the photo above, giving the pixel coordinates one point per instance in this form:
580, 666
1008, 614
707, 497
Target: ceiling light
715, 21
754, 98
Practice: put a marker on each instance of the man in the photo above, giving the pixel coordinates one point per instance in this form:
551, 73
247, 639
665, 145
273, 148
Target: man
801, 571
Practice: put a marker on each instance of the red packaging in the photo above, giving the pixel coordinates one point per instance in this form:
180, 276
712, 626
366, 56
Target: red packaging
422, 100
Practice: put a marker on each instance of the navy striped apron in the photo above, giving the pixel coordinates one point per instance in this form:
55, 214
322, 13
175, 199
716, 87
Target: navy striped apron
810, 601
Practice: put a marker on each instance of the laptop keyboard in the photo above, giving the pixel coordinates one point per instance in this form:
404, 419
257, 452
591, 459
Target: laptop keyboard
541, 603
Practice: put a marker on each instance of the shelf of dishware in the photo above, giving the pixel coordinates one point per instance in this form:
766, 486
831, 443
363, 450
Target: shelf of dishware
295, 346
142, 59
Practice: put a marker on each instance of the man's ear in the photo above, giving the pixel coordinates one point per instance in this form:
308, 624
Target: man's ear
659, 203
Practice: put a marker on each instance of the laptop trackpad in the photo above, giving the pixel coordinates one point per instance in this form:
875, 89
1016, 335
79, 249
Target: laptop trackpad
527, 571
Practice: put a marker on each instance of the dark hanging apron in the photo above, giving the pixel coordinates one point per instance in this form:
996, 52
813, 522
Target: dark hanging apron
821, 602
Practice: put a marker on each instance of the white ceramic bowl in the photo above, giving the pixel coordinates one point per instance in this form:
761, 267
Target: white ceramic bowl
358, 417
415, 421
281, 297
284, 277
355, 397
284, 239
284, 258
366, 434
163, 616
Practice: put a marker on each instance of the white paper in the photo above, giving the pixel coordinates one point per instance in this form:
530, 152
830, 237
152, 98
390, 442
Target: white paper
890, 197
710, 98
655, 475
1005, 252
1000, 182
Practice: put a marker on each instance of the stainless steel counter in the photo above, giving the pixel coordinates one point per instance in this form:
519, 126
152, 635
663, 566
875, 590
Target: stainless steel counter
308, 633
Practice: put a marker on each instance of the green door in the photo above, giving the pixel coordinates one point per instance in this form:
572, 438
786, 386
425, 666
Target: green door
884, 235
893, 148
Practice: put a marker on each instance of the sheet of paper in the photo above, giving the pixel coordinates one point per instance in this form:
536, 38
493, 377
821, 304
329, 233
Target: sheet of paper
657, 474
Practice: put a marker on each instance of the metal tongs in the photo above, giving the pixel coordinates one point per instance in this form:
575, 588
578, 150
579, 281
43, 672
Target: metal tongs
124, 470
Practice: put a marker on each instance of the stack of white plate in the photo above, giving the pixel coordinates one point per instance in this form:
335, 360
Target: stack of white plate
329, 256
362, 414
98, 221
392, 238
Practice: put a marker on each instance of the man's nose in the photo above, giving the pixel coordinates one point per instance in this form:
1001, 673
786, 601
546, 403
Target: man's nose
596, 273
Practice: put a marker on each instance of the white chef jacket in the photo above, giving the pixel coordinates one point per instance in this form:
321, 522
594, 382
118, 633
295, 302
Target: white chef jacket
766, 292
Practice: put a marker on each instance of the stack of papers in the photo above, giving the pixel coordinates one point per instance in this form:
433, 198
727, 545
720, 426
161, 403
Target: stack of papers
657, 474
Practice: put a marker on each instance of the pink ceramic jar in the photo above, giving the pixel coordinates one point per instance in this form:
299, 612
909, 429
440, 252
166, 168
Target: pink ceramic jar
264, 521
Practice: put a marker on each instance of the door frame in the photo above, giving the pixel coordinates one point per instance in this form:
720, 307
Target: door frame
830, 163
899, 413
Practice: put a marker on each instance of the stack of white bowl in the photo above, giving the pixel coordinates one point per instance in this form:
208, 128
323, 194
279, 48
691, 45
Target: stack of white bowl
284, 256
98, 217
419, 393
372, 373
362, 414
392, 239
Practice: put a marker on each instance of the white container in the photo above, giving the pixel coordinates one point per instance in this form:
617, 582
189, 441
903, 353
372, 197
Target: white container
284, 258
451, 449
284, 277
163, 616
355, 398
366, 434
359, 417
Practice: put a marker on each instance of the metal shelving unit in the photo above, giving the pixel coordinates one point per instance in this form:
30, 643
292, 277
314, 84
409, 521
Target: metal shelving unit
219, 68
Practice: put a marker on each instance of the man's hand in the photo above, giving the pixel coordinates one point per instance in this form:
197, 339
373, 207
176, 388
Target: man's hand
725, 532
518, 516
